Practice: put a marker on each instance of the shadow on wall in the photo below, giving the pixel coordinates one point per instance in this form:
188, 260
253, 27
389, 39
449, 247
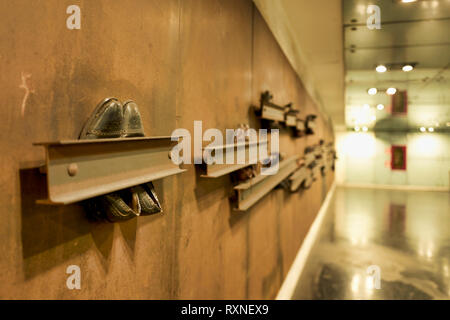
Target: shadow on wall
54, 234
392, 123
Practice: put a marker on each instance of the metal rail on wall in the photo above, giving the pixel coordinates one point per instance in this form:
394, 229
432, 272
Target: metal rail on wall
81, 169
251, 191
271, 113
299, 177
214, 170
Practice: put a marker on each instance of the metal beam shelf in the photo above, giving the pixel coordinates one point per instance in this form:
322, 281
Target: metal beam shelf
81, 169
251, 191
215, 170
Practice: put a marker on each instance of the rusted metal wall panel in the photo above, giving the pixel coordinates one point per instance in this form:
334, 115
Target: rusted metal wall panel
180, 61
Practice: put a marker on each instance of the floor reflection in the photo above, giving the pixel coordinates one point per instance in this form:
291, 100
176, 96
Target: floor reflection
381, 244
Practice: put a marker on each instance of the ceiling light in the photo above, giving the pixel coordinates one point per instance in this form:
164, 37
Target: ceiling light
356, 128
408, 1
391, 91
407, 68
365, 129
422, 129
430, 129
381, 68
372, 91
380, 107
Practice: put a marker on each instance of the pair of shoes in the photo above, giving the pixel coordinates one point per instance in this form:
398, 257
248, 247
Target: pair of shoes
109, 120
129, 203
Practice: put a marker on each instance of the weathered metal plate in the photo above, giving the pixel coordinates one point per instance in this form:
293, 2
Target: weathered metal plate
82, 169
250, 192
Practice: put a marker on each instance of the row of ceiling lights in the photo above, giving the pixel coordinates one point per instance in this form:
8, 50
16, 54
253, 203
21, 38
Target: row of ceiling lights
379, 106
423, 129
382, 68
365, 129
406, 67
374, 91
389, 91
434, 126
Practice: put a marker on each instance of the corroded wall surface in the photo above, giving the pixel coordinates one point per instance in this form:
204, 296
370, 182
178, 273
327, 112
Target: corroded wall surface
180, 61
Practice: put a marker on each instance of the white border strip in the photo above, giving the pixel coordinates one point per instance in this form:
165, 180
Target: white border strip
290, 282
394, 187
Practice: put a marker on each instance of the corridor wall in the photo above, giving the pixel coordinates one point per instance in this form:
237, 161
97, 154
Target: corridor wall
180, 61
365, 159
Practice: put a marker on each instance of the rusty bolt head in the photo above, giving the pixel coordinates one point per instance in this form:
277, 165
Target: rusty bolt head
72, 169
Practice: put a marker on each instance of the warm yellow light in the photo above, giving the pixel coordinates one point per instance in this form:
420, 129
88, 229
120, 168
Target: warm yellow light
359, 145
380, 107
391, 91
407, 68
430, 129
422, 129
365, 129
357, 128
408, 1
372, 91
381, 68
369, 283
356, 279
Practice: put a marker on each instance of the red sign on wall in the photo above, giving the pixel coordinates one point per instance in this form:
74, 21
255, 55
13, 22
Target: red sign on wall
398, 157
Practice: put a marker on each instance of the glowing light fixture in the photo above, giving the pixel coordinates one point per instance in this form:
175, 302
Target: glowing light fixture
381, 68
422, 129
391, 91
407, 68
430, 129
372, 91
365, 129
380, 107
356, 128
408, 1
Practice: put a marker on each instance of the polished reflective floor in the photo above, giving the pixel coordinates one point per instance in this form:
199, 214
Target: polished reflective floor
381, 244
